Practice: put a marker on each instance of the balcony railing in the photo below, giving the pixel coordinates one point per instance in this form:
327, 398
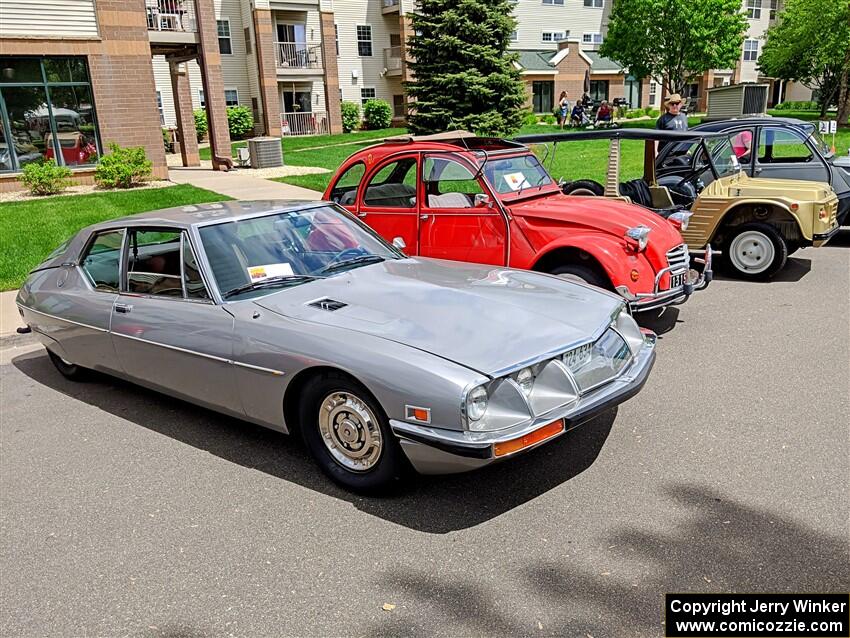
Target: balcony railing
392, 58
298, 55
304, 123
171, 15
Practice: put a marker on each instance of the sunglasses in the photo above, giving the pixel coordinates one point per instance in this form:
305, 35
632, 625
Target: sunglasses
675, 103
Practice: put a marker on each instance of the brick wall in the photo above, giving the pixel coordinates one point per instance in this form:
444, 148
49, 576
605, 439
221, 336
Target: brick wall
571, 71
266, 65
210, 62
329, 62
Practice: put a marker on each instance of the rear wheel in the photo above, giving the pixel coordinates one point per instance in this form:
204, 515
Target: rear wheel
755, 251
584, 187
349, 436
582, 274
67, 369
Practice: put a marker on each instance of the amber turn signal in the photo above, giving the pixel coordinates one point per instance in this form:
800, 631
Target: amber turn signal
635, 275
532, 438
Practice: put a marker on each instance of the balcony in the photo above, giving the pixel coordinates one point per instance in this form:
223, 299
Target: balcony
298, 58
392, 60
304, 123
171, 22
390, 6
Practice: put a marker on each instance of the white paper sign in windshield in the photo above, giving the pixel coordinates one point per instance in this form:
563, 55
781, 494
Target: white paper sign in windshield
516, 181
266, 271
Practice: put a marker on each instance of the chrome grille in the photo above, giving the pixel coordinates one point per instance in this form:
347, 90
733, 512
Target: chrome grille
678, 258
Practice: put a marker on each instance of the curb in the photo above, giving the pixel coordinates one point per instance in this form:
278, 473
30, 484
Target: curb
16, 340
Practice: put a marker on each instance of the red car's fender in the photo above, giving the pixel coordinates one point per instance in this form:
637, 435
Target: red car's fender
624, 266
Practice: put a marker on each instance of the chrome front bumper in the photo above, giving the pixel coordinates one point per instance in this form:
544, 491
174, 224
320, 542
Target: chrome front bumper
438, 451
644, 301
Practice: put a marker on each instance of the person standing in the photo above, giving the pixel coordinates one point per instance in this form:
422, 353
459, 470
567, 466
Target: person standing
673, 119
563, 109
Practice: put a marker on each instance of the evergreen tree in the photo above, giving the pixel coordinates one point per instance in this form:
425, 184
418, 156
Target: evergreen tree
463, 75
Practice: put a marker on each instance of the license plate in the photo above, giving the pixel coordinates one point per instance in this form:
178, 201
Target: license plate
677, 280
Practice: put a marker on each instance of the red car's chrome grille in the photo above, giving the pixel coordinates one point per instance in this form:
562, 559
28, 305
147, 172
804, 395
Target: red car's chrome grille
678, 258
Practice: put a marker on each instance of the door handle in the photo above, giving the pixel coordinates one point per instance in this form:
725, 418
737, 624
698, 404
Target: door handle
424, 217
123, 308
759, 170
361, 215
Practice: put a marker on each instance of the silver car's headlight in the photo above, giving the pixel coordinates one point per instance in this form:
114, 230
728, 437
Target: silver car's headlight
476, 403
609, 355
630, 331
525, 380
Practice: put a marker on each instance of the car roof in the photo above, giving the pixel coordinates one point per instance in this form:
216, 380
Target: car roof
722, 125
205, 214
616, 133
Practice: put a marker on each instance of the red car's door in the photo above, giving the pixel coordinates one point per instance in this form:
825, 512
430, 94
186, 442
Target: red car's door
388, 201
456, 220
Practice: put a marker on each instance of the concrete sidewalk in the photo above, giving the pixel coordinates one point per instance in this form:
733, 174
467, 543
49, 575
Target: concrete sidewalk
238, 185
10, 318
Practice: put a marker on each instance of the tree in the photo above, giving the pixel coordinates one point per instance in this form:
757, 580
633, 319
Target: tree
675, 41
464, 77
810, 43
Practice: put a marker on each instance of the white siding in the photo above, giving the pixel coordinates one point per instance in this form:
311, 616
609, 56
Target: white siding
534, 18
47, 18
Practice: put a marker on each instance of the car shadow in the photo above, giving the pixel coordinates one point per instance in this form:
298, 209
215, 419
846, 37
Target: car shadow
463, 500
709, 544
841, 239
795, 269
660, 321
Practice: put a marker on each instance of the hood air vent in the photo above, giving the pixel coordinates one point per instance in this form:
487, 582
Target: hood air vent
327, 304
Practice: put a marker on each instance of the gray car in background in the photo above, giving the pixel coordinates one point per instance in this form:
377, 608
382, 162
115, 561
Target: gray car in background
297, 316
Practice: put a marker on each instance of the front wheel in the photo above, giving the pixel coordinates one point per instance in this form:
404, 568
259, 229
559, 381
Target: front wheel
349, 436
755, 251
581, 274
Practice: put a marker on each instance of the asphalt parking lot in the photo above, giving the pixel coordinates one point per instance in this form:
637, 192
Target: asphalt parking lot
124, 512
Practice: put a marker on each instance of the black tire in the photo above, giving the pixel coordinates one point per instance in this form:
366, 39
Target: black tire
390, 467
584, 187
68, 370
759, 272
587, 274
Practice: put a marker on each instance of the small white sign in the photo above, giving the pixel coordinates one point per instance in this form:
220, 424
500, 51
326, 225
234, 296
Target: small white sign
266, 271
515, 181
833, 126
823, 126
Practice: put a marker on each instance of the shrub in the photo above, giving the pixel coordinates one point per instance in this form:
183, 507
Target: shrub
350, 116
240, 121
653, 112
549, 119
201, 123
45, 177
797, 106
123, 167
377, 114
530, 119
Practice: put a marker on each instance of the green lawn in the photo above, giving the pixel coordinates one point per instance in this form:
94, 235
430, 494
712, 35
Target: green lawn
29, 230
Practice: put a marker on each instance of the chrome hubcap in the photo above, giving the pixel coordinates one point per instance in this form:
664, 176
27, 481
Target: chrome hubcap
350, 431
752, 252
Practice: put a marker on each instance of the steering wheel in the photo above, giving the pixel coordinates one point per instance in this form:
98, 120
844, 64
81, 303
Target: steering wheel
348, 253
693, 174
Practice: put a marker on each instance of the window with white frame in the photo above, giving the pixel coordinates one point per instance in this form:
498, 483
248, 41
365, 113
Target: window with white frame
201, 100
751, 50
554, 36
653, 91
594, 4
159, 108
367, 94
231, 97
554, 2
225, 45
754, 9
591, 38
774, 7
364, 40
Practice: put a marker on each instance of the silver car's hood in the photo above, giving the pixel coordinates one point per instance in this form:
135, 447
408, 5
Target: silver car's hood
486, 318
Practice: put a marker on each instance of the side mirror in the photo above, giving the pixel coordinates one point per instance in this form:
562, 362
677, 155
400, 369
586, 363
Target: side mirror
482, 200
398, 242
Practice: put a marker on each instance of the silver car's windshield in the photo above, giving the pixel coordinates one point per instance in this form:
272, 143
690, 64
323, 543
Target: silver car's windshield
513, 174
256, 256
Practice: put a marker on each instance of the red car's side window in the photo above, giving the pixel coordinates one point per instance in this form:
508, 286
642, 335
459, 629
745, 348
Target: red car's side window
346, 188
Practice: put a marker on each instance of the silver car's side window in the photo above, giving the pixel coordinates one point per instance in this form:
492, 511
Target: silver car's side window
102, 261
154, 263
192, 280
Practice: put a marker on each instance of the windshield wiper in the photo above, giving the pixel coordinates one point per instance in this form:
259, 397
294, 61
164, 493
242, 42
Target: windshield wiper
269, 283
362, 260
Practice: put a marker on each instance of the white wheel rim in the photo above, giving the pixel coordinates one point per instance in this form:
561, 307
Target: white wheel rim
350, 431
752, 252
